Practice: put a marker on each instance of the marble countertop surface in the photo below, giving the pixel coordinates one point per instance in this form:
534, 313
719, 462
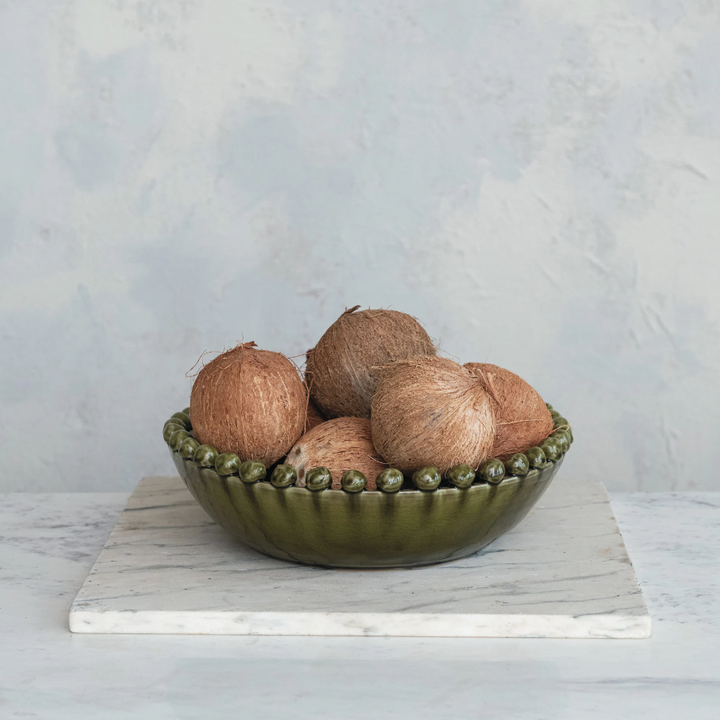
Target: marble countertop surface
48, 543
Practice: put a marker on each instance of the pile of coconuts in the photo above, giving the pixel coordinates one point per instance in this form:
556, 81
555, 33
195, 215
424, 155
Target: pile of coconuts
375, 409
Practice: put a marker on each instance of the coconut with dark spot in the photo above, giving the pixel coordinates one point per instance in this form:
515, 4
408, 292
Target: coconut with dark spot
431, 411
249, 402
341, 369
339, 445
522, 419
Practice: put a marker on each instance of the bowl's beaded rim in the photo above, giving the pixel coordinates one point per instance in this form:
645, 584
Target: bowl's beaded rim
178, 434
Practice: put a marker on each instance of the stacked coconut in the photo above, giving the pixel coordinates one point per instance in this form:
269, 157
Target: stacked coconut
375, 399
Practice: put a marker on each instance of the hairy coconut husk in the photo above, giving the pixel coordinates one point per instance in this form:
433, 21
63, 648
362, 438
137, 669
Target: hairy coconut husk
314, 416
341, 368
339, 445
522, 419
249, 402
431, 411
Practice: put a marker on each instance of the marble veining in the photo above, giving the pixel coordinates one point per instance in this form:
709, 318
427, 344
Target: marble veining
167, 568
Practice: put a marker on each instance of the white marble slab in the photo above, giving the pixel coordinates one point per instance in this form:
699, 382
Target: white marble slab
167, 568
48, 543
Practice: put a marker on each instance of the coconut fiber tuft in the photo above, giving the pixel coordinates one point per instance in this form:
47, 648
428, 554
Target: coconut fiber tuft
249, 402
521, 417
431, 411
339, 445
340, 369
314, 416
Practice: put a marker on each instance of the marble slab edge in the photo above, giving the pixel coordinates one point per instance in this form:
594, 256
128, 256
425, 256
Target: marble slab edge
360, 624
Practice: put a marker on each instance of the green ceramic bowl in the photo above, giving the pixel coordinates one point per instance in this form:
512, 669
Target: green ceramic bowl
364, 529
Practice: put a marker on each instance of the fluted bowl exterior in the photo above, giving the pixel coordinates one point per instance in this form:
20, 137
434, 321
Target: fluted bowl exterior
372, 529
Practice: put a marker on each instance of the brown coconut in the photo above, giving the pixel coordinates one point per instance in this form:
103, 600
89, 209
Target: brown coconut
431, 411
314, 416
340, 444
249, 402
341, 369
521, 416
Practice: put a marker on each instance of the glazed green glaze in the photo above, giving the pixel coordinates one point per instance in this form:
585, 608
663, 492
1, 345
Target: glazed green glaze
169, 428
427, 478
188, 447
562, 439
353, 481
227, 464
536, 457
205, 456
492, 471
183, 419
177, 438
370, 529
252, 471
461, 476
390, 480
318, 478
551, 449
518, 464
283, 476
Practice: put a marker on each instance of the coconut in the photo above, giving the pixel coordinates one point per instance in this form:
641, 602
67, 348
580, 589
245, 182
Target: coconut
341, 368
249, 402
339, 445
314, 416
431, 411
522, 419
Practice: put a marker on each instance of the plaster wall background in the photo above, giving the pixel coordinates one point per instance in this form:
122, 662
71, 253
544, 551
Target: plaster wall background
537, 182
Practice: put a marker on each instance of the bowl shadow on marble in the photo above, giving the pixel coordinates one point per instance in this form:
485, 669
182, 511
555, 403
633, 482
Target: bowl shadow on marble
371, 529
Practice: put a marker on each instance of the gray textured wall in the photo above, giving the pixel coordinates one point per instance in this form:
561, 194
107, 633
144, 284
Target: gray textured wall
537, 182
